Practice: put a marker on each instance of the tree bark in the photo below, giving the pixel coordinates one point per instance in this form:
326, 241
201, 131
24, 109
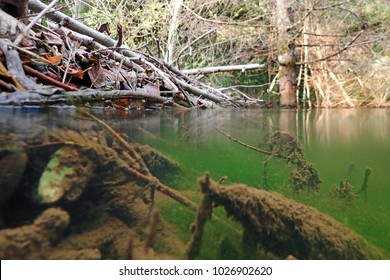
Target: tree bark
173, 30
286, 54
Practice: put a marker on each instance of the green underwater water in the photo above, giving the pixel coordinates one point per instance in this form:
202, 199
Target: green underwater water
340, 144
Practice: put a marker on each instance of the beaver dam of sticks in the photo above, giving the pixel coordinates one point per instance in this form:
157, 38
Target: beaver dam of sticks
90, 194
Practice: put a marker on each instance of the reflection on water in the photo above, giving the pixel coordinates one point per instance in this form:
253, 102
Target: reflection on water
340, 144
315, 127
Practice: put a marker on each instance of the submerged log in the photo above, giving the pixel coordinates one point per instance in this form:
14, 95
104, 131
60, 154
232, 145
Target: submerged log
36, 240
286, 227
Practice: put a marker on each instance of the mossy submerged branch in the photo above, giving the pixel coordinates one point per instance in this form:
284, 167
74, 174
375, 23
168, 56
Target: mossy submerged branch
204, 213
143, 172
286, 227
286, 146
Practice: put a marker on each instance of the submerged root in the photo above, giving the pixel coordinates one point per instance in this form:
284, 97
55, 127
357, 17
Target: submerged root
34, 241
286, 227
101, 184
364, 187
204, 213
344, 191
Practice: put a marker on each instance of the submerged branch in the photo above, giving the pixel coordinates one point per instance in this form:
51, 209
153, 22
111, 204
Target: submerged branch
284, 226
144, 172
247, 145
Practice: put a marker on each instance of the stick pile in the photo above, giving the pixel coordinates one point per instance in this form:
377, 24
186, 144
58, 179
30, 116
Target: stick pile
55, 64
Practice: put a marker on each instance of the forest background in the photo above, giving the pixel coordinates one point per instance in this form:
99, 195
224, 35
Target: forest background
311, 53
341, 48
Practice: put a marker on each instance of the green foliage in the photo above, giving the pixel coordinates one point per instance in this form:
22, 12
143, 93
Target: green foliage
377, 13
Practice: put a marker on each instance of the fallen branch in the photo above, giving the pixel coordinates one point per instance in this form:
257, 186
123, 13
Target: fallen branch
198, 92
247, 145
73, 24
286, 227
89, 42
173, 79
49, 96
48, 79
19, 38
203, 214
14, 65
229, 68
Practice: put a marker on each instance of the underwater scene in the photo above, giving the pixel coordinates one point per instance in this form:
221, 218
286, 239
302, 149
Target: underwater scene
194, 184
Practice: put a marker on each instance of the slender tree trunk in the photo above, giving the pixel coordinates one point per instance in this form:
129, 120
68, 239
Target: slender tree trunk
286, 54
173, 30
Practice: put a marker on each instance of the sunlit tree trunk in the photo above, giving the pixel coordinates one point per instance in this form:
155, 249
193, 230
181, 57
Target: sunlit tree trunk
286, 54
177, 5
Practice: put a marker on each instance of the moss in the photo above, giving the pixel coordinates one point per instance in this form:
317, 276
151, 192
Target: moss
285, 227
282, 46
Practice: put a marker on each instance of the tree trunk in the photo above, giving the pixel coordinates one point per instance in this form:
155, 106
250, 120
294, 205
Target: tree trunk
173, 30
286, 54
16, 8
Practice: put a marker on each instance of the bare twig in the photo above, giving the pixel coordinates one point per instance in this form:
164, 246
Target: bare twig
193, 42
247, 145
228, 68
349, 45
19, 38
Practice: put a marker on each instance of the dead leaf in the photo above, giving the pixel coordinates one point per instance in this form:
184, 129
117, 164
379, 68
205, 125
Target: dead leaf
152, 89
5, 74
51, 39
56, 59
96, 74
75, 72
104, 28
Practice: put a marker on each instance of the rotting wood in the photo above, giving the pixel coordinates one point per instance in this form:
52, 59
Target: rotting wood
204, 214
52, 95
14, 65
35, 240
286, 227
143, 171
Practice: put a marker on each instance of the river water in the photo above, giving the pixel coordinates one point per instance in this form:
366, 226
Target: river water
341, 145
